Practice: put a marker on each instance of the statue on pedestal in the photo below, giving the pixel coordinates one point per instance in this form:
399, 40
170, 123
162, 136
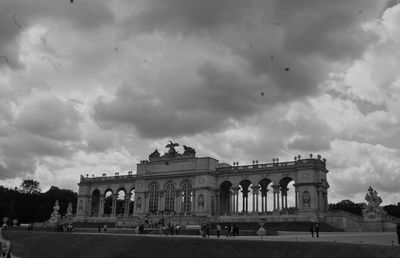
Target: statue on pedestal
69, 217
372, 208
55, 216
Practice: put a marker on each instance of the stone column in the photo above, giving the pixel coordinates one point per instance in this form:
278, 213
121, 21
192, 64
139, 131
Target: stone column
127, 199
276, 197
235, 199
217, 203
114, 204
255, 189
161, 201
266, 201
231, 202
146, 207
193, 205
284, 197
286, 201
296, 194
326, 201
101, 205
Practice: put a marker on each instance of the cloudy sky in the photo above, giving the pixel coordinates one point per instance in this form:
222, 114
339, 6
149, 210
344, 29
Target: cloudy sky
94, 86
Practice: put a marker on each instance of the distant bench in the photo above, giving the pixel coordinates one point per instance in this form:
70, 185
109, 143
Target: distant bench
26, 225
193, 227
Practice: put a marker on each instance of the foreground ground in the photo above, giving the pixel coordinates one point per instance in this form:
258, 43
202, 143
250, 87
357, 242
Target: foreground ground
48, 244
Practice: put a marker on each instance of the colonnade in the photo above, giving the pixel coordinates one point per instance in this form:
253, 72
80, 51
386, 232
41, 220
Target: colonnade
259, 199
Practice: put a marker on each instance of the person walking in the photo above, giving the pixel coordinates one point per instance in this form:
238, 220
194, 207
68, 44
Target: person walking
312, 230
398, 233
316, 227
218, 229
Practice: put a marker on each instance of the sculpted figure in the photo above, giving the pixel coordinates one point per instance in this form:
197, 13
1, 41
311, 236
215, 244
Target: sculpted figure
373, 202
55, 216
69, 209
172, 152
154, 155
189, 151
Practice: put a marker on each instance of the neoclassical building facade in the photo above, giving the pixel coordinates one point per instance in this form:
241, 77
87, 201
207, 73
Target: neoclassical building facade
184, 184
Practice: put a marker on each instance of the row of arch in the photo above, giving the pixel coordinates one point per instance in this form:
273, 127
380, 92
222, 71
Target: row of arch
253, 197
242, 198
122, 202
125, 203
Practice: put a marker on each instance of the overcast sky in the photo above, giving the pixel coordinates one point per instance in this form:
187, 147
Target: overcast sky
94, 86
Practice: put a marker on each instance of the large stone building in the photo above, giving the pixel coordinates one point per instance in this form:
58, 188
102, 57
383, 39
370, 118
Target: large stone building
186, 185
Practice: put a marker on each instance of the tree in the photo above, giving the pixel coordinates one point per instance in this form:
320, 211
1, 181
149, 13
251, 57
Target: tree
30, 186
347, 205
393, 210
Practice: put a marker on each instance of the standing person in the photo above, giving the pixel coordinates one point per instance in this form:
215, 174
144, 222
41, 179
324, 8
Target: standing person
218, 229
316, 229
398, 233
208, 230
99, 228
312, 230
105, 228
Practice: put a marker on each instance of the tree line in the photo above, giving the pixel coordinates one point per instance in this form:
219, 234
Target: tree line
28, 204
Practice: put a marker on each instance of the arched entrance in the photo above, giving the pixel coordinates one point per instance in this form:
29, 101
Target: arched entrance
264, 202
95, 203
108, 202
131, 201
153, 198
121, 202
187, 197
288, 194
224, 198
169, 197
244, 186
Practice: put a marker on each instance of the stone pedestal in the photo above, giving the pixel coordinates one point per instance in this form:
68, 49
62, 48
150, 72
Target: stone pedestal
373, 222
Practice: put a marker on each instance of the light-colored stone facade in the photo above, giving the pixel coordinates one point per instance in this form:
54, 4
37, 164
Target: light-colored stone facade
201, 186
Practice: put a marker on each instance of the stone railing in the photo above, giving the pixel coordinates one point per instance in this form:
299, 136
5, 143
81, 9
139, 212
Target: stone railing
298, 163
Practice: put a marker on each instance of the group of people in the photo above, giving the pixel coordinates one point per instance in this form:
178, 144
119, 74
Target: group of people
314, 228
170, 229
230, 230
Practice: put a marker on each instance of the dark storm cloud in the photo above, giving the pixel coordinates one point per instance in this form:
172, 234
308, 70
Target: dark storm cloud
209, 104
390, 4
51, 118
289, 47
330, 29
17, 16
188, 16
310, 143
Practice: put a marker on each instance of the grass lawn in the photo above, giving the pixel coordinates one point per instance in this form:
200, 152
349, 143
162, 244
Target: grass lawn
57, 245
